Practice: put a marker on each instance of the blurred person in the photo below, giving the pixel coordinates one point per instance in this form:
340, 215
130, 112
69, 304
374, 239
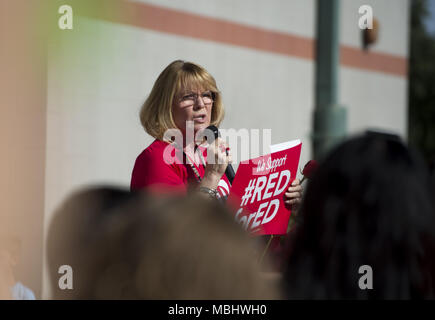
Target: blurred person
185, 91
368, 204
123, 245
79, 237
10, 288
203, 254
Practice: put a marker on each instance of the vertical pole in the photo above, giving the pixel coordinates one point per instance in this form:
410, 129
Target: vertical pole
329, 117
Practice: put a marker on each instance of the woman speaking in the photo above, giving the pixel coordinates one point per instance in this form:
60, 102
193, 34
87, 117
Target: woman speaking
185, 97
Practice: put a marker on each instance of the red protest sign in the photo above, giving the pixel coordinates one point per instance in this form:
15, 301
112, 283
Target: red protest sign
258, 190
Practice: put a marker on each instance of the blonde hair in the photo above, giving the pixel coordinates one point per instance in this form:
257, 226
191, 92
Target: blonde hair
156, 112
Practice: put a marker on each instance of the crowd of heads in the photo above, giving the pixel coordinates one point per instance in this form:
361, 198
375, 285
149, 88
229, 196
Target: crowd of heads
369, 203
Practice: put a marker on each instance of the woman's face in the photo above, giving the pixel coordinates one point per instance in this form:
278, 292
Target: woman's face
193, 105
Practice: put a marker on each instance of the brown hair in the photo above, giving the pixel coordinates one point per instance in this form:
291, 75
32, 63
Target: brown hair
125, 245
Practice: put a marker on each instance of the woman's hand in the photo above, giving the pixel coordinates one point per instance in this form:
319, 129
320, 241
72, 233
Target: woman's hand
217, 162
293, 196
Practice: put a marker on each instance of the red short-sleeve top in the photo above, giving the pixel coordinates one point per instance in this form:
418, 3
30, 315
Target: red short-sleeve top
159, 168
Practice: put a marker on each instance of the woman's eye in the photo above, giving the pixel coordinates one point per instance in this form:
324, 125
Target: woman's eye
206, 95
187, 97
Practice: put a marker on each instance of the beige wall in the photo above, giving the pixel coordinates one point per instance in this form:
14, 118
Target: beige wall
22, 135
74, 121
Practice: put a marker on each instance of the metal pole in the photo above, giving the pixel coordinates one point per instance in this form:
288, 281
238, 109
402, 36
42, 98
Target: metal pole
329, 117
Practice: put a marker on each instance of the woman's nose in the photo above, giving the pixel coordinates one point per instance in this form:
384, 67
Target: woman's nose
199, 103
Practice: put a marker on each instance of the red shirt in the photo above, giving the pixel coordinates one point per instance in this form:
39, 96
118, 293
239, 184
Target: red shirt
161, 168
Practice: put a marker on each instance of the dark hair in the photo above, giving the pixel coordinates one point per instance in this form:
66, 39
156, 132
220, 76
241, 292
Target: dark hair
367, 204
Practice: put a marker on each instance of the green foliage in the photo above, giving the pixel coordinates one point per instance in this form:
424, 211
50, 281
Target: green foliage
421, 83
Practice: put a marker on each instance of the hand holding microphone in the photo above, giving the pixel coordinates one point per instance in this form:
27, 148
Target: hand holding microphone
224, 154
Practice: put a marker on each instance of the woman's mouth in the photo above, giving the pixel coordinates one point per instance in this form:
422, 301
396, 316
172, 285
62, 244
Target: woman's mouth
199, 118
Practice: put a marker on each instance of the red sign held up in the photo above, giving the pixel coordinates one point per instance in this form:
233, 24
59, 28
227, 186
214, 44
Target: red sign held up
257, 193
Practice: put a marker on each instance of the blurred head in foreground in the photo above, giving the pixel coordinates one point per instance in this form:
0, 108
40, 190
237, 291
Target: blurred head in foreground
124, 245
367, 204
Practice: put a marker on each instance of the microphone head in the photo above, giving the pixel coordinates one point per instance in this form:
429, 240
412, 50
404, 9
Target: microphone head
215, 131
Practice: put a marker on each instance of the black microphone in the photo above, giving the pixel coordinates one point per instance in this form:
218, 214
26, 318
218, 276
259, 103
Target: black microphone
229, 171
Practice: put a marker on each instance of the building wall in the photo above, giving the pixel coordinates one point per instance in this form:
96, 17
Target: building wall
376, 99
100, 73
23, 88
